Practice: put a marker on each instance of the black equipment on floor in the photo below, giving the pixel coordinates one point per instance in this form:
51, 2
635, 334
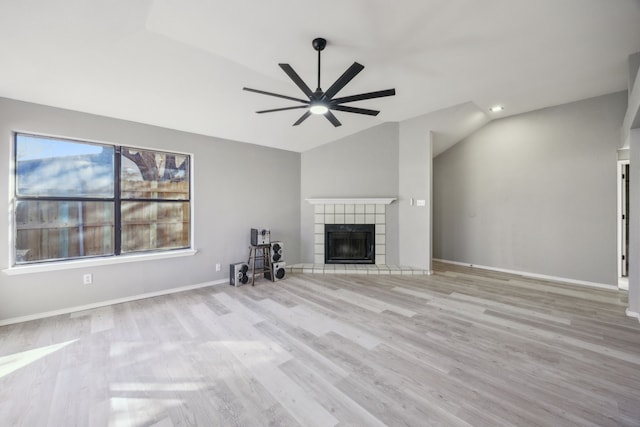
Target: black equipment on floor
238, 274
278, 271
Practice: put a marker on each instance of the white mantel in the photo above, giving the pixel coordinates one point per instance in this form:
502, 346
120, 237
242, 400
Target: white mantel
352, 201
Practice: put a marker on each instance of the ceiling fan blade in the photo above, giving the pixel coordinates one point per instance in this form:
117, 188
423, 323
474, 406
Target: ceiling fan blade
334, 121
347, 109
296, 79
282, 109
290, 98
342, 81
363, 96
303, 118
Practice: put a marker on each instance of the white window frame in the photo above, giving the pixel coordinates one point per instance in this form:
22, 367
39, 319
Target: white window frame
75, 263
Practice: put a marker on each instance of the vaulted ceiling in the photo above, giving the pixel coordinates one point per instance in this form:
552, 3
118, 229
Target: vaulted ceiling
182, 64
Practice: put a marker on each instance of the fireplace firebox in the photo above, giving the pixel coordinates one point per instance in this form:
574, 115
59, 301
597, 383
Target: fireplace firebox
349, 243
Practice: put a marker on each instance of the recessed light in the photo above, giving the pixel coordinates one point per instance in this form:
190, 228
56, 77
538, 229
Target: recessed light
496, 108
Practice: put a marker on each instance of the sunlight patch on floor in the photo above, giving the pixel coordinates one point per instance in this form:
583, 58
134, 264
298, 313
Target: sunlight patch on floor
13, 362
159, 386
134, 412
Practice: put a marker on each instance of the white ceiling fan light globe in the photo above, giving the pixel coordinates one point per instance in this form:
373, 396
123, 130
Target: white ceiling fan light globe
318, 109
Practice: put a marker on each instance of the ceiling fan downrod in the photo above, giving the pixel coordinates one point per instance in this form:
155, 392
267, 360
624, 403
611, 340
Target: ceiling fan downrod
319, 45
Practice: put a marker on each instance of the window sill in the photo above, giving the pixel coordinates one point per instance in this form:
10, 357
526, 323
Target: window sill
94, 262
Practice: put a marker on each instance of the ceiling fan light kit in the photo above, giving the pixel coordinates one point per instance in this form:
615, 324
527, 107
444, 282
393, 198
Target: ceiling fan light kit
318, 108
321, 102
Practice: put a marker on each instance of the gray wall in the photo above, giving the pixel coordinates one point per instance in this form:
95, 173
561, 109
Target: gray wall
631, 136
634, 66
415, 182
421, 138
236, 186
534, 192
361, 165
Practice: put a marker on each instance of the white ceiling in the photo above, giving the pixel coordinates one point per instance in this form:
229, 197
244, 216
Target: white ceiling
182, 64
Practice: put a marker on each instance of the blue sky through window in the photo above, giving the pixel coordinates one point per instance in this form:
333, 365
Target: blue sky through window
50, 167
32, 147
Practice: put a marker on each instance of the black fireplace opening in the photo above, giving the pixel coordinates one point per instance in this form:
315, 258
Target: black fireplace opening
349, 243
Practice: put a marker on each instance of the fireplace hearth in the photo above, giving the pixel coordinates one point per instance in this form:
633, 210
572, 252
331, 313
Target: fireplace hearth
350, 244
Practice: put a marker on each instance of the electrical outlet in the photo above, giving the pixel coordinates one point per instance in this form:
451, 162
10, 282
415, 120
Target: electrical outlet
217, 267
87, 279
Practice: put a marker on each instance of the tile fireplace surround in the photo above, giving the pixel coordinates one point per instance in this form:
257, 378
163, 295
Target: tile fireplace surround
351, 211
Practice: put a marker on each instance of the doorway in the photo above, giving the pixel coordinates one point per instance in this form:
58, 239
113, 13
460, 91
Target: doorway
623, 224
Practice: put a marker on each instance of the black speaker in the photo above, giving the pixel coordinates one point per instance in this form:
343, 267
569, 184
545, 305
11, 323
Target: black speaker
277, 253
260, 236
278, 271
238, 274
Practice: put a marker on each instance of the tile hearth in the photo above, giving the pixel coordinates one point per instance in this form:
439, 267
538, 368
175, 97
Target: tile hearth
377, 269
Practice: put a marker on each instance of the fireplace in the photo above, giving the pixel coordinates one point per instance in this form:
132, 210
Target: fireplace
350, 243
360, 211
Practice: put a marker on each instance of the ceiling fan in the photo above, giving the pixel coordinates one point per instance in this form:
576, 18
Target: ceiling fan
323, 103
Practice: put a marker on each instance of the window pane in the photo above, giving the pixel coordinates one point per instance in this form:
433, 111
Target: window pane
154, 175
155, 225
60, 168
54, 230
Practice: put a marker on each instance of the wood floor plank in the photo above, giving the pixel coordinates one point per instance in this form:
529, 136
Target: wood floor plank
262, 358
364, 301
347, 411
463, 347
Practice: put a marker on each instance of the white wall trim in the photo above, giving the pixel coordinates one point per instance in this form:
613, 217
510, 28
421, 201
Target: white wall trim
95, 262
10, 321
633, 314
534, 275
623, 283
353, 201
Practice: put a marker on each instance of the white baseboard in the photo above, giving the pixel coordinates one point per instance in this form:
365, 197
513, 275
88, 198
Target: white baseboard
633, 314
534, 275
623, 283
68, 310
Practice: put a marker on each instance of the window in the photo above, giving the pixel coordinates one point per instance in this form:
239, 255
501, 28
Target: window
77, 199
154, 200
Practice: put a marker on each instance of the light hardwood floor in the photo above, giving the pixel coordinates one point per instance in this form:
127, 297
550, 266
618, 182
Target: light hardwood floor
463, 347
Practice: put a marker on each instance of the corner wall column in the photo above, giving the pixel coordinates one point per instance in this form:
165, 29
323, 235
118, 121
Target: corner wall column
634, 223
415, 194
